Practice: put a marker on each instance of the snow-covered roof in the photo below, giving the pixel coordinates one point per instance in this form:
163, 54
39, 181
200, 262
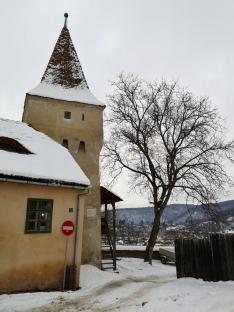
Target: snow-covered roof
48, 160
67, 94
64, 67
64, 78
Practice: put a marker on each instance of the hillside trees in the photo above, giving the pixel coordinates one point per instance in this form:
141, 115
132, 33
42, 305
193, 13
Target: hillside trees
169, 141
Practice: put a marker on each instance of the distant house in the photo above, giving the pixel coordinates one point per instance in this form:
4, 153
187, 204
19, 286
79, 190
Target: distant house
41, 186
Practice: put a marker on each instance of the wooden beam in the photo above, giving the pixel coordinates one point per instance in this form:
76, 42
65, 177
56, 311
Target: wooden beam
106, 213
114, 235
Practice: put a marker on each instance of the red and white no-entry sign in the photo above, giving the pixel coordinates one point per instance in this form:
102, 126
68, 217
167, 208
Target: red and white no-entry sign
67, 227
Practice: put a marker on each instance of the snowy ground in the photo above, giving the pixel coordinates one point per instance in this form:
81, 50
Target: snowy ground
137, 287
132, 247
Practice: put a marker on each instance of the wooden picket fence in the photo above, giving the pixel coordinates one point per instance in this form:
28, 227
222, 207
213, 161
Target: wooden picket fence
211, 259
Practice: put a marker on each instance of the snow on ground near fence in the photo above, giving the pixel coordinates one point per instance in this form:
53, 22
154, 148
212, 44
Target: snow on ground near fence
137, 287
142, 248
188, 294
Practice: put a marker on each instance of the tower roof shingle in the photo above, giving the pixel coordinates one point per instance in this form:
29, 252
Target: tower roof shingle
64, 78
64, 68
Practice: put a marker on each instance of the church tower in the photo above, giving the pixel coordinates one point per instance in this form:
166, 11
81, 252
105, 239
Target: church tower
63, 107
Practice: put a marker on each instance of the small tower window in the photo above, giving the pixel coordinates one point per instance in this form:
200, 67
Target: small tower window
65, 143
82, 146
67, 115
83, 117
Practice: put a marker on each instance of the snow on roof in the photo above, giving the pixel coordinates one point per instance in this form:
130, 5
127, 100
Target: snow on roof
64, 67
64, 78
67, 94
49, 160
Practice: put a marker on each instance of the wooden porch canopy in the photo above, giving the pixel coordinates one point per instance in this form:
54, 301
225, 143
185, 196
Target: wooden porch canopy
107, 197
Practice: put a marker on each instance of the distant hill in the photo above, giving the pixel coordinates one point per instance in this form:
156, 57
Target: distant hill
174, 213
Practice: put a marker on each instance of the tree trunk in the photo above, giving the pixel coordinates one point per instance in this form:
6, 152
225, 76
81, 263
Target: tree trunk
152, 239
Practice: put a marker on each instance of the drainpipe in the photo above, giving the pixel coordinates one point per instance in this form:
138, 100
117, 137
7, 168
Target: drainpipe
76, 234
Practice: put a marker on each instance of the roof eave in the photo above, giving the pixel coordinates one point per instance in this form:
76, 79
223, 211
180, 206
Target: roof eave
40, 181
108, 197
103, 106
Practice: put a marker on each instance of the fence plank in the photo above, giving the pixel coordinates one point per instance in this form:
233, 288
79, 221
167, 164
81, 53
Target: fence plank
211, 259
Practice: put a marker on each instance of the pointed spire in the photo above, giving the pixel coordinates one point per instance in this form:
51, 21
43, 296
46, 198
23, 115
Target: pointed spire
64, 68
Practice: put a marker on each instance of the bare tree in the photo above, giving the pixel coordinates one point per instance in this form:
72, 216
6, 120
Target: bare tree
169, 141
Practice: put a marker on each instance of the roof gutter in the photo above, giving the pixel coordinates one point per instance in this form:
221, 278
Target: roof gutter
45, 182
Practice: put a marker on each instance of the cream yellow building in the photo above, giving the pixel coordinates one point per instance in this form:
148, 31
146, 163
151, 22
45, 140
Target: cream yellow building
63, 107
41, 186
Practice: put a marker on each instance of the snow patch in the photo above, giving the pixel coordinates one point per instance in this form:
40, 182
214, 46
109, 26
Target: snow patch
92, 277
189, 294
133, 247
58, 92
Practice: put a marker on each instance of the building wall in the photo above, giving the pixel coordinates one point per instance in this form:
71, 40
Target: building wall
47, 116
35, 261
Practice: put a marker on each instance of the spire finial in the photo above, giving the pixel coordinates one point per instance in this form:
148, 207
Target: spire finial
65, 22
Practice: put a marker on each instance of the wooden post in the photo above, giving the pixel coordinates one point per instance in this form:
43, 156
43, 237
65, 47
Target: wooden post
114, 235
106, 219
106, 213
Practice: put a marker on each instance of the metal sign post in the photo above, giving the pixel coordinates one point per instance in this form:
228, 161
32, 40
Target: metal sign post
67, 229
65, 263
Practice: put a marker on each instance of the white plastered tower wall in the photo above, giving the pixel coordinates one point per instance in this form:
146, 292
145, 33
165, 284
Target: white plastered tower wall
64, 89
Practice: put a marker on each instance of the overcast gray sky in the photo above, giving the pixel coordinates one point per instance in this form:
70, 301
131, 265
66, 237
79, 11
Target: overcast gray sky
191, 40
